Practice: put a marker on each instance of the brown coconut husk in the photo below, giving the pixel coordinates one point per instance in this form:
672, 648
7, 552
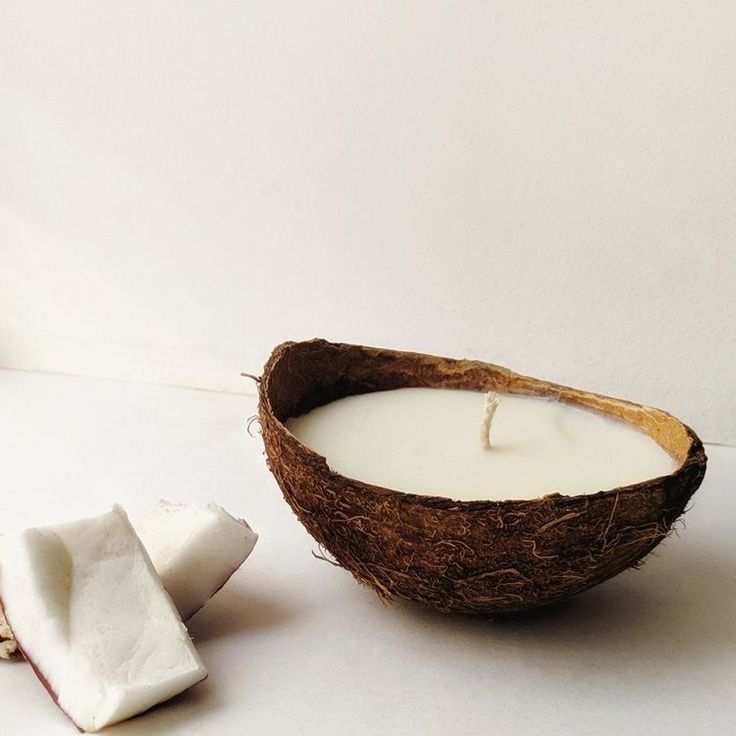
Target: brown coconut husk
480, 557
8, 644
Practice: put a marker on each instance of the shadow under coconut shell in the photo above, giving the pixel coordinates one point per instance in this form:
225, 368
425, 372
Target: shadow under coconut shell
674, 610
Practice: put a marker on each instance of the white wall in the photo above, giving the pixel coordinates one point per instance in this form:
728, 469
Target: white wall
546, 185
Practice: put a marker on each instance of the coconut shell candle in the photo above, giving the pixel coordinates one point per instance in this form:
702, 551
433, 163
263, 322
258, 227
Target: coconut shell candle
504, 494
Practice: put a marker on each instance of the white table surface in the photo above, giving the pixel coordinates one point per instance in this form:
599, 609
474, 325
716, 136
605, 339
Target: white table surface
295, 646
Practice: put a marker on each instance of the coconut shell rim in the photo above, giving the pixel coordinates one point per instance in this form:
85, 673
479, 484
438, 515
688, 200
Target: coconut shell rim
695, 454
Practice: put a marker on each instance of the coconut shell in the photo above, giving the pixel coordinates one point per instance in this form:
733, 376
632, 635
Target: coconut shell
480, 557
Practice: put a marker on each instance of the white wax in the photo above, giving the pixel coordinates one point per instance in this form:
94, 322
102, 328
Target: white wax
427, 441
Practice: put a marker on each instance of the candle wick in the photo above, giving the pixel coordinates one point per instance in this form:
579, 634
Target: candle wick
490, 404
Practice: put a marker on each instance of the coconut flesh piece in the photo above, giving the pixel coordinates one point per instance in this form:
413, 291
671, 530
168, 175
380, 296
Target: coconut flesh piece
92, 617
195, 549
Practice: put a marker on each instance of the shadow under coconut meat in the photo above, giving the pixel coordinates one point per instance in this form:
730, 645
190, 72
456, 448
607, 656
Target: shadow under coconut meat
482, 557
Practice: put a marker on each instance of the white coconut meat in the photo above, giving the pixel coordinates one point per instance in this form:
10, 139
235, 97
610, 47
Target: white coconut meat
195, 549
94, 620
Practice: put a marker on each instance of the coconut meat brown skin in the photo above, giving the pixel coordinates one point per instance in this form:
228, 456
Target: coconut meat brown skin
482, 557
195, 549
94, 621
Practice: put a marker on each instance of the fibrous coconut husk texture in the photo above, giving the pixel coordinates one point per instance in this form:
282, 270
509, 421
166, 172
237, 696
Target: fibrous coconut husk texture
481, 557
8, 645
